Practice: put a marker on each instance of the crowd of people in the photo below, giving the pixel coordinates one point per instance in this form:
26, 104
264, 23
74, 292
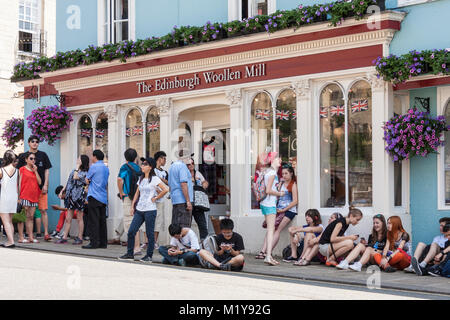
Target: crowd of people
145, 190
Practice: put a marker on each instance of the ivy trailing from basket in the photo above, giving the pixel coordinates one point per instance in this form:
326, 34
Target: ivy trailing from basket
334, 12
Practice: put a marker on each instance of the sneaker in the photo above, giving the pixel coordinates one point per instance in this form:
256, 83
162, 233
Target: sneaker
181, 262
356, 267
146, 259
434, 271
86, 238
61, 241
343, 265
54, 234
416, 266
409, 269
138, 253
290, 259
390, 269
59, 235
126, 257
156, 246
225, 267
77, 241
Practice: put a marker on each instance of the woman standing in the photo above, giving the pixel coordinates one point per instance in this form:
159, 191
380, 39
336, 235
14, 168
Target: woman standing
198, 214
145, 200
75, 199
29, 182
269, 205
8, 195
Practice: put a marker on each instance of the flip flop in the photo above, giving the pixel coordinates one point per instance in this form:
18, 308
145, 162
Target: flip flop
261, 255
24, 241
331, 263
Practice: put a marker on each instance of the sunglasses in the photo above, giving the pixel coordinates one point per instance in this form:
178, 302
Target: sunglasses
32, 159
34, 141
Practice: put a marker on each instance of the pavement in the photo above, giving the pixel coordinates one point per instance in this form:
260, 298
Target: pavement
398, 280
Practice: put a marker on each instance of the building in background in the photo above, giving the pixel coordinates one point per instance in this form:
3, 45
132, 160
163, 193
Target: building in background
27, 30
318, 72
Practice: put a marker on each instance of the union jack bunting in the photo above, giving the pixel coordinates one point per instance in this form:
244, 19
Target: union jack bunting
294, 115
360, 105
265, 114
284, 140
86, 133
323, 112
128, 132
137, 131
99, 133
152, 126
282, 115
337, 110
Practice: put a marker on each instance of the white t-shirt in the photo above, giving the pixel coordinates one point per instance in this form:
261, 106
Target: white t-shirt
162, 174
189, 241
440, 240
146, 192
270, 200
199, 179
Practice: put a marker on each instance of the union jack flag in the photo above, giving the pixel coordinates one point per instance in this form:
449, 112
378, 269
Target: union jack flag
284, 140
137, 131
323, 112
86, 133
294, 115
263, 114
152, 126
99, 133
360, 105
282, 115
337, 110
128, 132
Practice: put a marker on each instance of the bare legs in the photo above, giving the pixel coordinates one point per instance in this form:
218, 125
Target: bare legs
355, 253
340, 248
208, 256
270, 220
9, 228
29, 223
276, 235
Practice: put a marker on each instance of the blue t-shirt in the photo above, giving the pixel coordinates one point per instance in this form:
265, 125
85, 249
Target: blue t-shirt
179, 173
98, 175
125, 175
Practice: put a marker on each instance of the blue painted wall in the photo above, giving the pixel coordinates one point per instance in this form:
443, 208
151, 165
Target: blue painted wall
291, 4
54, 155
423, 185
70, 39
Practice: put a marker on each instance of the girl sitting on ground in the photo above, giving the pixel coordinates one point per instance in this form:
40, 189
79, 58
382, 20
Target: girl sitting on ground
376, 244
397, 252
311, 230
333, 243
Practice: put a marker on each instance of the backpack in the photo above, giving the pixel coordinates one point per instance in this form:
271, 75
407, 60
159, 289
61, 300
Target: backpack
287, 251
208, 244
134, 179
259, 188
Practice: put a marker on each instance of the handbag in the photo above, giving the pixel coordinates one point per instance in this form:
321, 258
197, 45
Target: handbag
278, 219
201, 199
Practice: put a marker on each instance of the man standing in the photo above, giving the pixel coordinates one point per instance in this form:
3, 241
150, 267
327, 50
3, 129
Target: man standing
181, 191
97, 196
43, 164
160, 158
127, 180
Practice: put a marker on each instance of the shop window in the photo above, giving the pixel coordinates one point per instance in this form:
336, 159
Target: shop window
332, 147
286, 127
134, 131
101, 135
360, 144
85, 136
261, 143
447, 156
153, 133
116, 16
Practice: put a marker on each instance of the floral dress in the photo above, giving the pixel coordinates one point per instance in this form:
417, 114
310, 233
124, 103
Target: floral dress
75, 191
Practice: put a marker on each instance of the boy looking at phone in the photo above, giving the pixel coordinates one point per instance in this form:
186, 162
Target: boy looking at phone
183, 247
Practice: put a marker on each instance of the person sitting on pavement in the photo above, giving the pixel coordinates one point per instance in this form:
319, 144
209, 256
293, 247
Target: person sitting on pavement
396, 254
311, 230
333, 243
183, 247
377, 241
425, 254
443, 268
58, 234
229, 246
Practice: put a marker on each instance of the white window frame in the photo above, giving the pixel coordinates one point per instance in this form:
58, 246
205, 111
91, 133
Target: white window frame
443, 98
235, 9
404, 3
103, 21
35, 33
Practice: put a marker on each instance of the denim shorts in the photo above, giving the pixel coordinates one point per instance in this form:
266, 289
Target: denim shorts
289, 214
268, 210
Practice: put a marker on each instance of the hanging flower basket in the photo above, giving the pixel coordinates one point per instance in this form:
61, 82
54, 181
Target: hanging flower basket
48, 122
13, 132
413, 134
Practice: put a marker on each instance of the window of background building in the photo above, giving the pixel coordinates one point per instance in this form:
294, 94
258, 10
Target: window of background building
29, 26
85, 136
251, 8
116, 21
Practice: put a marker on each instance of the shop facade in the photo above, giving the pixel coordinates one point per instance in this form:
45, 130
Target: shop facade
310, 94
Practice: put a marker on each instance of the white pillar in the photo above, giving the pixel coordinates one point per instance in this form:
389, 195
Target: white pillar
237, 153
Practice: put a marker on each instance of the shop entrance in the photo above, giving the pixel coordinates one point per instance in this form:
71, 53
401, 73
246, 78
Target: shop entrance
204, 132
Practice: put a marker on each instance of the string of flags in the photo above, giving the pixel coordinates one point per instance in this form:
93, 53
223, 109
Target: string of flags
358, 106
87, 133
139, 130
279, 115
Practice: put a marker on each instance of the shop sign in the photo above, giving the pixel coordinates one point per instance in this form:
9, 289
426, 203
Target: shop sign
203, 78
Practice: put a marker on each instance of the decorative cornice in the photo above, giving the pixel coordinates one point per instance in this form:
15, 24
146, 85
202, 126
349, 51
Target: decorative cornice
242, 58
234, 96
163, 105
111, 111
377, 83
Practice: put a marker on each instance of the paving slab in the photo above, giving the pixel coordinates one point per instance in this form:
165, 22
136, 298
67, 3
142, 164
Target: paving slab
398, 280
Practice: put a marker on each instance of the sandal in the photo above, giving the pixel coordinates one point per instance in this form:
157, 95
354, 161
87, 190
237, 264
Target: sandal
271, 261
34, 241
298, 262
331, 263
24, 241
261, 255
305, 263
